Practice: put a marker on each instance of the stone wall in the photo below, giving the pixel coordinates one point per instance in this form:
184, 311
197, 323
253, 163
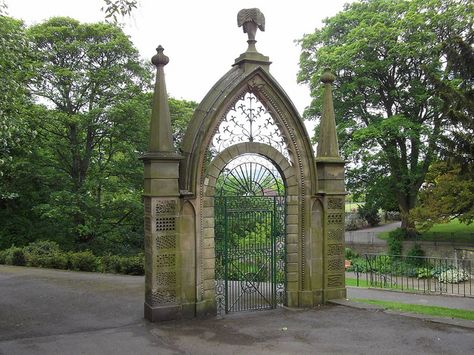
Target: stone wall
431, 249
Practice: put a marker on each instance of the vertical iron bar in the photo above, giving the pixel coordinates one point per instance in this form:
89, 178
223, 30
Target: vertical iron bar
226, 261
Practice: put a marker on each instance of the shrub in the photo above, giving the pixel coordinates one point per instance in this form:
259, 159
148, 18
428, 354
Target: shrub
358, 265
415, 256
111, 263
83, 261
15, 256
40, 252
133, 265
423, 273
369, 212
3, 256
44, 253
350, 254
395, 239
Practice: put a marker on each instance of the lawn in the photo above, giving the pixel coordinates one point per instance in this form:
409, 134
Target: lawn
420, 309
377, 284
453, 231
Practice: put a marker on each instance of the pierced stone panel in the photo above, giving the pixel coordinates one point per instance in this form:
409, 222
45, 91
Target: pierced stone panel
165, 260
166, 207
163, 297
166, 241
335, 218
335, 250
336, 235
335, 280
165, 224
335, 265
166, 280
335, 203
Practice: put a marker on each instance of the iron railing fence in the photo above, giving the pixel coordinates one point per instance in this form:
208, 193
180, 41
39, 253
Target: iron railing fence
452, 276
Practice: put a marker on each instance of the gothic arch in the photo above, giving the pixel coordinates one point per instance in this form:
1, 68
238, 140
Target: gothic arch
178, 203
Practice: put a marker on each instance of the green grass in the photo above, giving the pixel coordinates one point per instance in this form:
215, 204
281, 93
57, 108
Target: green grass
453, 231
353, 282
435, 311
365, 283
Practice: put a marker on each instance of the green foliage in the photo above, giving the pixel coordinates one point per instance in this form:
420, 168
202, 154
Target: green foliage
111, 263
389, 113
70, 170
349, 254
14, 256
395, 239
114, 8
133, 265
423, 273
15, 70
415, 256
83, 261
370, 212
447, 194
421, 309
44, 253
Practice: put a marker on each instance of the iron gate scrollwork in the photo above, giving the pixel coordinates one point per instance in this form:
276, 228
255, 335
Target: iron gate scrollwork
250, 238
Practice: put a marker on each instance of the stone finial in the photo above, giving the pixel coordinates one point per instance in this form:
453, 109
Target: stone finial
159, 59
328, 146
161, 139
328, 77
250, 19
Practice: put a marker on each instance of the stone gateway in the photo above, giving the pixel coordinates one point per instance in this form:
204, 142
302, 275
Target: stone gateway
245, 216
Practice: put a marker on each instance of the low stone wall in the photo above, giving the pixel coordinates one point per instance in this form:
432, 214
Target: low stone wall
431, 249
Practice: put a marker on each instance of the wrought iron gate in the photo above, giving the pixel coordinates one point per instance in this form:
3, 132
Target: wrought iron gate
250, 252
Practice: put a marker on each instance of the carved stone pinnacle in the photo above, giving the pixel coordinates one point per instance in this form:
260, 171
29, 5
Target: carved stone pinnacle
159, 59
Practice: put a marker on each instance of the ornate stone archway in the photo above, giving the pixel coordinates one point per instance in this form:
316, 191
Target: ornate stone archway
179, 210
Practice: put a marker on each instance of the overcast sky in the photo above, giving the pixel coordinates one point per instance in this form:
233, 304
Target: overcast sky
201, 37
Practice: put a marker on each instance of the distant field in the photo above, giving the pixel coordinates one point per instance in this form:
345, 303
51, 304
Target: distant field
453, 231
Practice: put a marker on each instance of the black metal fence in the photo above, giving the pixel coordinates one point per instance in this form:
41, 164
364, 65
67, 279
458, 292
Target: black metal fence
415, 274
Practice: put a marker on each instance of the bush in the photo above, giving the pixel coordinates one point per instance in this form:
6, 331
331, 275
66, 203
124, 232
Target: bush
133, 265
349, 254
3, 256
83, 261
111, 263
424, 273
358, 264
39, 252
395, 239
15, 256
44, 253
369, 212
415, 256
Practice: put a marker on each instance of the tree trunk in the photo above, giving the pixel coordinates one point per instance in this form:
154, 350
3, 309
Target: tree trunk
406, 203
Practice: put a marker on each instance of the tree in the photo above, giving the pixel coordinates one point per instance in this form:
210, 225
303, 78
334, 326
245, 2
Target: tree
385, 53
447, 194
449, 189
87, 75
14, 100
112, 8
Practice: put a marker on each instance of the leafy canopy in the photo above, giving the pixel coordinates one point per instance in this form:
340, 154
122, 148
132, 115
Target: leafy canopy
389, 115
